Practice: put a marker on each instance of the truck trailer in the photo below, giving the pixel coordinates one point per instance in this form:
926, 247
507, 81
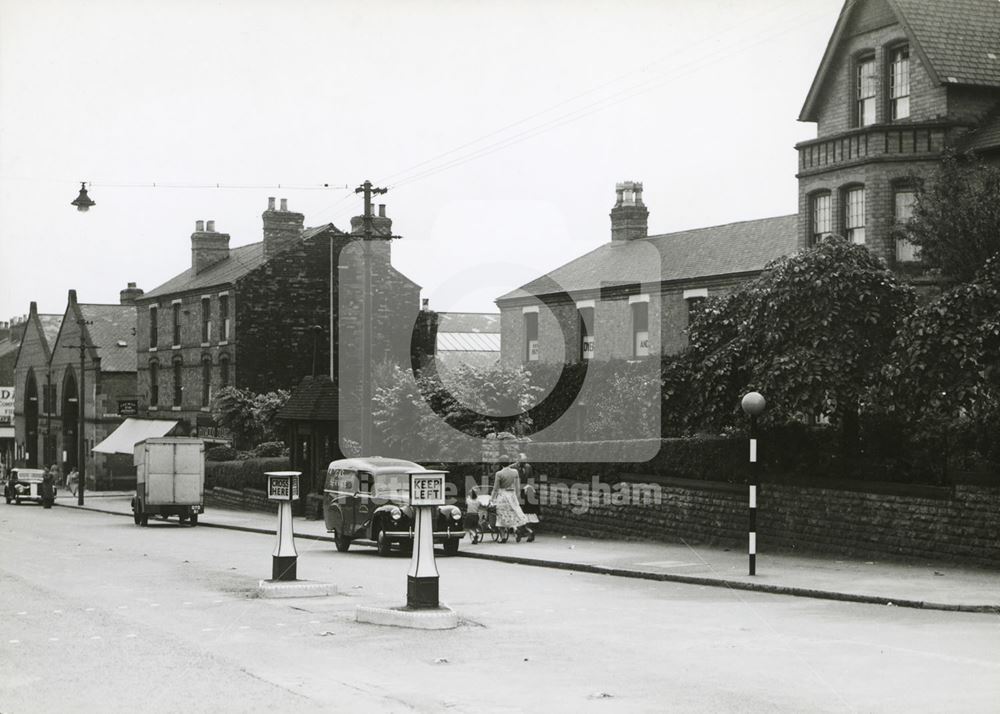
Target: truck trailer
170, 479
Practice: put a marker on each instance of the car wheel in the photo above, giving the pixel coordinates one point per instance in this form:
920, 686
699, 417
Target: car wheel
384, 546
194, 519
7, 497
342, 542
451, 547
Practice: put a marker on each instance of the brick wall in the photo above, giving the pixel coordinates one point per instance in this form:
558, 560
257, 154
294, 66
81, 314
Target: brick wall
959, 525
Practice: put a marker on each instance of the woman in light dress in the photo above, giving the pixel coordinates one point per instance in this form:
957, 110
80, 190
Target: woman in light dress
506, 490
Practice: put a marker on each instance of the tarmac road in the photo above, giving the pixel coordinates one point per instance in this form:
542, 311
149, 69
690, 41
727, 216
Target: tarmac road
98, 615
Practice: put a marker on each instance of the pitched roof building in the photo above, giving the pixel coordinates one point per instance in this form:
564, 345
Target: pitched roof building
900, 81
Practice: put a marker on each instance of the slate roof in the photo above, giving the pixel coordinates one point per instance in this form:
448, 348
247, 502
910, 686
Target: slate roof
958, 41
112, 332
315, 399
733, 248
241, 261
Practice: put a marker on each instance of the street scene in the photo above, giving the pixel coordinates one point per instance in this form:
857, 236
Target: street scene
500, 357
111, 622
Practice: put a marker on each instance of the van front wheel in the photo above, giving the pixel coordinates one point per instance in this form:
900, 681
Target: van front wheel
384, 546
342, 542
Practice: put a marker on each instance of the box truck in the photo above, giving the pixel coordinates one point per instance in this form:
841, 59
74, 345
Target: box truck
170, 479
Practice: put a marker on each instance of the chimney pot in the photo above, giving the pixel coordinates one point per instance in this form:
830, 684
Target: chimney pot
131, 285
284, 204
381, 210
270, 203
199, 226
210, 226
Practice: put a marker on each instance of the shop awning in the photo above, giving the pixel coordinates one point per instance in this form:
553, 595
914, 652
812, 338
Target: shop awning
131, 431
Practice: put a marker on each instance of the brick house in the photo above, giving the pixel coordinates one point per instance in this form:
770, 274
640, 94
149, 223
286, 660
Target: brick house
634, 295
900, 81
47, 374
258, 316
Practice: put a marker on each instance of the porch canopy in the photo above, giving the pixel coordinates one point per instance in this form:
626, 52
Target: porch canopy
131, 431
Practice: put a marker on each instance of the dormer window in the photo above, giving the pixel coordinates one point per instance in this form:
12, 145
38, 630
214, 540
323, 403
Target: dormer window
865, 85
899, 82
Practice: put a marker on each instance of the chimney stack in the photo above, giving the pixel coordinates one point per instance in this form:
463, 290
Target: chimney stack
629, 215
207, 246
281, 228
129, 295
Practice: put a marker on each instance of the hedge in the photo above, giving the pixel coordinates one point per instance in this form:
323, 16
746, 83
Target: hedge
248, 473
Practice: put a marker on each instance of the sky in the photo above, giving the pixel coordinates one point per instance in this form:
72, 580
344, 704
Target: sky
499, 128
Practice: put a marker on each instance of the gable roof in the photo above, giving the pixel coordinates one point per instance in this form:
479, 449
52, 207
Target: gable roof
112, 333
733, 248
241, 261
954, 39
48, 327
315, 399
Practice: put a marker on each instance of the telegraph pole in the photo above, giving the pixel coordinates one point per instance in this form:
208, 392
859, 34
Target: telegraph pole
367, 321
81, 454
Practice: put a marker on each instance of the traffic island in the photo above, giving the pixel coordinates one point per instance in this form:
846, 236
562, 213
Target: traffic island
440, 618
294, 588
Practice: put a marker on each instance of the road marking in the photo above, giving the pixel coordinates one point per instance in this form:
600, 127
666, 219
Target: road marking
56, 612
131, 634
13, 642
244, 627
314, 622
89, 609
23, 612
207, 629
154, 604
279, 624
96, 637
216, 602
187, 603
53, 639
123, 607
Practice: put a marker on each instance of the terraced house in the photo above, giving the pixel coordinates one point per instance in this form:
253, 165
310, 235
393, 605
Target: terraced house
900, 82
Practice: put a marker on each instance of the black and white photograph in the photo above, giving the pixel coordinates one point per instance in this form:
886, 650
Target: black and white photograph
584, 356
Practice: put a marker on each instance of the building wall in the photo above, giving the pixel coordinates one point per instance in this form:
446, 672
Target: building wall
190, 353
279, 302
32, 357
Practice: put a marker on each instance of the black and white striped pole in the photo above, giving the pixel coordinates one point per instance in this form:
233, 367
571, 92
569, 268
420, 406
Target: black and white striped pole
753, 405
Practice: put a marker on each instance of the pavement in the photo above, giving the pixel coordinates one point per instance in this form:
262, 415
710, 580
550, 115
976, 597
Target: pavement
926, 585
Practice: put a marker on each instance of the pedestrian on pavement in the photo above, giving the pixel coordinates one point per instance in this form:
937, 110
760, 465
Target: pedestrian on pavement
73, 480
506, 490
472, 515
48, 487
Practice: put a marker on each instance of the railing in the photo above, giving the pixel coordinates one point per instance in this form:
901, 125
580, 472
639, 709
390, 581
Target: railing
872, 142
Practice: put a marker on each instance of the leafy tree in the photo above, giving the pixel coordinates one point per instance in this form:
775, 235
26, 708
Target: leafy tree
944, 371
956, 220
810, 333
249, 417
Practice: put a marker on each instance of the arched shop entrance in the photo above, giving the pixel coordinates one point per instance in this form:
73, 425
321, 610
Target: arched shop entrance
31, 420
70, 420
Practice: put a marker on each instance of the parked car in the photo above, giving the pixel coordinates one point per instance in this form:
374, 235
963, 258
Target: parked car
368, 499
26, 485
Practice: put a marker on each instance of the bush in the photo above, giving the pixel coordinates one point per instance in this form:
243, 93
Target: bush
221, 453
242, 474
270, 449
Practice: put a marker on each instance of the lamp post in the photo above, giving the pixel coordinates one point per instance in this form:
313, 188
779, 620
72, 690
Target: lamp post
81, 453
753, 404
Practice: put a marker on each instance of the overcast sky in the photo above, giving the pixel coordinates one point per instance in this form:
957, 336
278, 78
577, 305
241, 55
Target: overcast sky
500, 128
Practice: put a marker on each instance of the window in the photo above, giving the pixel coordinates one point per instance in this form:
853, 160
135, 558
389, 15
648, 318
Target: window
206, 320
820, 209
177, 324
640, 329
854, 215
178, 384
206, 381
899, 82
586, 333
224, 317
865, 85
531, 336
154, 384
154, 334
224, 371
903, 211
